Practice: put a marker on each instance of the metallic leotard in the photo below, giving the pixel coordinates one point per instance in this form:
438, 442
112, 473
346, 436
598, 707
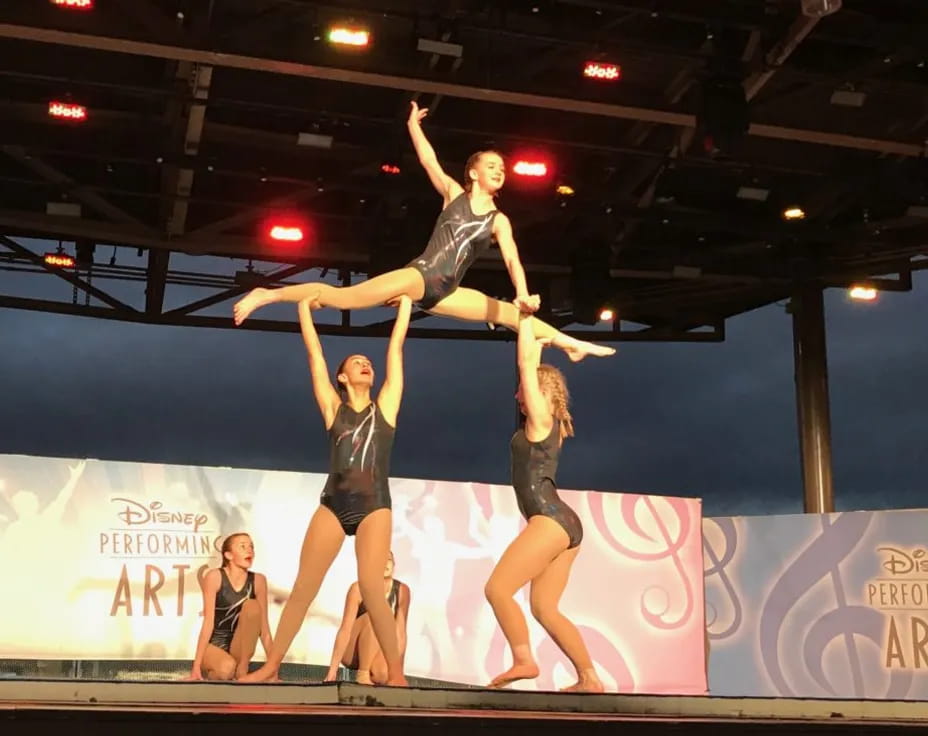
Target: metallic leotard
359, 465
458, 238
534, 466
229, 603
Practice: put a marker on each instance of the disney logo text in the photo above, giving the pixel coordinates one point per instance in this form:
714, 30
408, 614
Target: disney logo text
135, 514
899, 562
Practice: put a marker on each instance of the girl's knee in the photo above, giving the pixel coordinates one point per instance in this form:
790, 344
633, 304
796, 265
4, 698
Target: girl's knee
250, 610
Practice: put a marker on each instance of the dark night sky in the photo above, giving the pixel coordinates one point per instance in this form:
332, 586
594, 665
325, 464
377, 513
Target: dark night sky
714, 420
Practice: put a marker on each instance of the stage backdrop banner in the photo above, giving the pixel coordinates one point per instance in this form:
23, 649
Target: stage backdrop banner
832, 605
103, 561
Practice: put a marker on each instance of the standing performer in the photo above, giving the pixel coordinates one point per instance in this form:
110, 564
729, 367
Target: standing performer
355, 644
467, 225
545, 550
234, 614
356, 497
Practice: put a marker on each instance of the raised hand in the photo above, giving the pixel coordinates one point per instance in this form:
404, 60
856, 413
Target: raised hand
415, 114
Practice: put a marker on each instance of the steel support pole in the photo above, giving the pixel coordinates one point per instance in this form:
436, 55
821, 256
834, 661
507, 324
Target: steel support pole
811, 374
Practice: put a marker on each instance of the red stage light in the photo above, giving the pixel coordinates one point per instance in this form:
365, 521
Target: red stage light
602, 71
59, 260
74, 4
286, 233
66, 111
390, 168
535, 169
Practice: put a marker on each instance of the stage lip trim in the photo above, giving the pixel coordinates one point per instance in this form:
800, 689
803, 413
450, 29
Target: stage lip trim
23, 694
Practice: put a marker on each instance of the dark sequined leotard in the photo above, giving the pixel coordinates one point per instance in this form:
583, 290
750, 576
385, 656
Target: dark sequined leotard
534, 467
359, 465
229, 603
458, 239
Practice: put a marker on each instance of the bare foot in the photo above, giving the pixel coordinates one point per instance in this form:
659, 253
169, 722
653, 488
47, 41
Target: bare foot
526, 671
364, 678
585, 685
577, 350
397, 681
264, 674
250, 302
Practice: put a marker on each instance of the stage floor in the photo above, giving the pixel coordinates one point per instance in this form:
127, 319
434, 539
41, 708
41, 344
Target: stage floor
150, 707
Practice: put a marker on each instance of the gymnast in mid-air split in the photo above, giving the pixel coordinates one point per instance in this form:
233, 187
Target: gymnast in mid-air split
466, 227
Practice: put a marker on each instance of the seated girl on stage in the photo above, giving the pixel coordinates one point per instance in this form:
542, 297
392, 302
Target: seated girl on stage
234, 614
356, 646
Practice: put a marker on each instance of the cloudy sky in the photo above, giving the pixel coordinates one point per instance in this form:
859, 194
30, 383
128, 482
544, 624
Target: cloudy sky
715, 421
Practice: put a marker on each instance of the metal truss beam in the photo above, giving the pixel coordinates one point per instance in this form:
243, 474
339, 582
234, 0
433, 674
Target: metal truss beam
801, 27
156, 280
113, 302
382, 329
73, 188
39, 225
234, 292
584, 107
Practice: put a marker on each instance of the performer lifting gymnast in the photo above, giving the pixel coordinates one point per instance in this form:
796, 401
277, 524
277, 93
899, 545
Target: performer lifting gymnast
356, 497
545, 550
468, 223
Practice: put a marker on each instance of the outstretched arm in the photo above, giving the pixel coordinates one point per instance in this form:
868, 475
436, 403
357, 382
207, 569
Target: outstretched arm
352, 601
392, 392
502, 231
326, 395
538, 419
211, 582
261, 595
447, 187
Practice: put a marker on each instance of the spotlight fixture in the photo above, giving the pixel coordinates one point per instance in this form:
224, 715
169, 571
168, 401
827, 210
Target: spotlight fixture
536, 169
794, 213
602, 71
606, 314
862, 293
67, 111
757, 194
59, 260
565, 190
286, 233
349, 36
388, 168
74, 4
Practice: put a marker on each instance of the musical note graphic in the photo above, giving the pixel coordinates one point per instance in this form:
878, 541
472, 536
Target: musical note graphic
820, 560
667, 547
718, 568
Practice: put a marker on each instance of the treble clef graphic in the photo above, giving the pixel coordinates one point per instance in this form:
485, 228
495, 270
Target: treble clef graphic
718, 568
669, 548
821, 560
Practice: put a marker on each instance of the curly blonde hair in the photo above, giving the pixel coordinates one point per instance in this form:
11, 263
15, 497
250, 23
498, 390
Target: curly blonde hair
553, 383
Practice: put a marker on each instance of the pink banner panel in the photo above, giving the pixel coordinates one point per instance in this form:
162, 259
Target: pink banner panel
120, 547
